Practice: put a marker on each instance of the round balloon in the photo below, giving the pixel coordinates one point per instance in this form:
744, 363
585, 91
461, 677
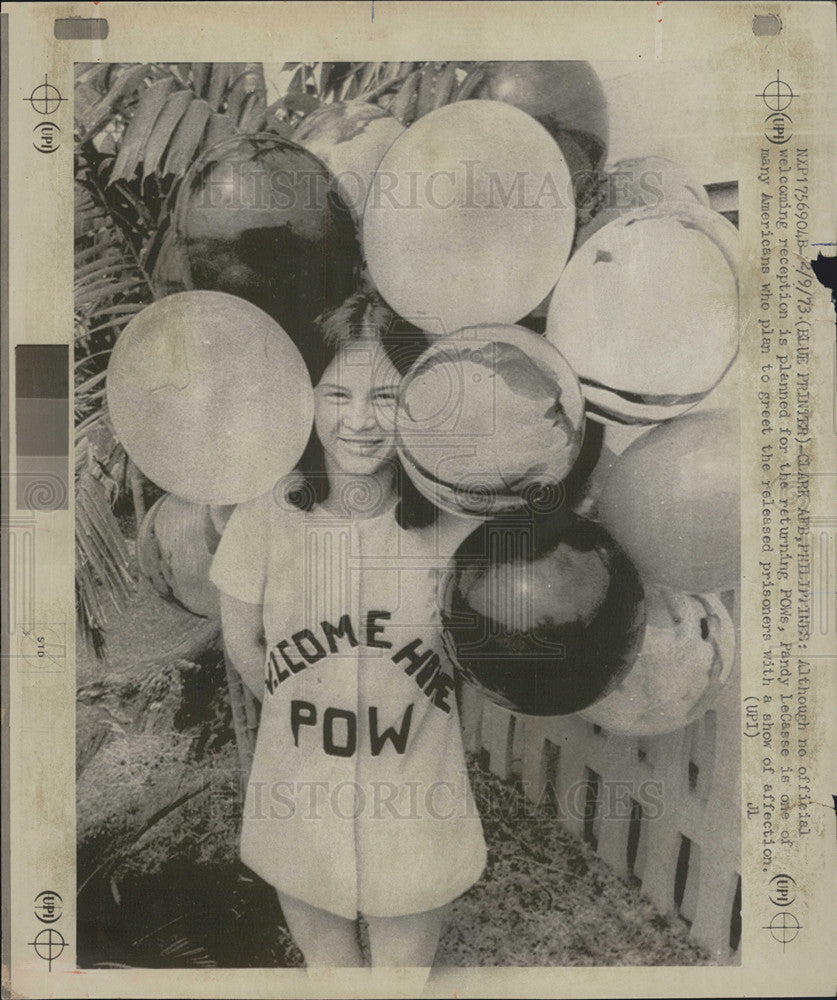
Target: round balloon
470, 217
175, 547
646, 312
260, 220
543, 614
685, 660
209, 397
489, 419
672, 502
351, 138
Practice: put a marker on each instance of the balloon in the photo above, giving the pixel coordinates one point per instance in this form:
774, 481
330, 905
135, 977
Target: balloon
672, 502
470, 217
350, 137
176, 543
489, 419
685, 660
544, 614
209, 397
646, 312
259, 220
566, 97
643, 182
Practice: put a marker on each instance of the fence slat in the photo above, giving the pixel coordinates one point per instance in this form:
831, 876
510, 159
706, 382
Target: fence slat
652, 793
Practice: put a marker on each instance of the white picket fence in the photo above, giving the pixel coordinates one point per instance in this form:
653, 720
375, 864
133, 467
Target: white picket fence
663, 810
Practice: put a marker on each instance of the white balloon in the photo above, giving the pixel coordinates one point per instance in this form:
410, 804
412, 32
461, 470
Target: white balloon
470, 218
210, 397
646, 312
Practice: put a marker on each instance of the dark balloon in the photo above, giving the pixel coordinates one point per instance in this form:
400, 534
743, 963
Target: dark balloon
544, 614
261, 220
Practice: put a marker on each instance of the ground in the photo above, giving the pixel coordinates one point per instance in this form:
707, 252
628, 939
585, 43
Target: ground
159, 880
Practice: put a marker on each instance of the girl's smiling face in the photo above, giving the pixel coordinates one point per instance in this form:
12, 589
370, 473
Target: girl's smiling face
354, 409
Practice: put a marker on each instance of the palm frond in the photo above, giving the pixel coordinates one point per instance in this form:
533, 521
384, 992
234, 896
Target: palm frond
139, 129
103, 574
111, 286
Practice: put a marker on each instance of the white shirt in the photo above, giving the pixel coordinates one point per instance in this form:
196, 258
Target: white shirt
358, 799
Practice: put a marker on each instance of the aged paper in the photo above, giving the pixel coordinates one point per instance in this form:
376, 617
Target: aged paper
718, 879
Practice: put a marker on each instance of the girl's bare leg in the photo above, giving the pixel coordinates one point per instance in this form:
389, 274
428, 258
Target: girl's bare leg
324, 939
406, 941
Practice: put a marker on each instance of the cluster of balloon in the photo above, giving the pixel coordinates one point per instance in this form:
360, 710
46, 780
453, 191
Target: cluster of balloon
672, 503
468, 221
685, 659
175, 546
351, 138
639, 363
489, 419
260, 220
465, 200
544, 614
210, 397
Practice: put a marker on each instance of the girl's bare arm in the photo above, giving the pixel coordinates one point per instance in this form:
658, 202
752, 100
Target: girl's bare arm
244, 638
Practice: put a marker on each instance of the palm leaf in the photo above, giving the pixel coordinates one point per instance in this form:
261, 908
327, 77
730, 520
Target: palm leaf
200, 74
140, 127
111, 287
446, 86
126, 85
103, 574
249, 81
218, 128
175, 108
134, 142
403, 104
187, 138
219, 78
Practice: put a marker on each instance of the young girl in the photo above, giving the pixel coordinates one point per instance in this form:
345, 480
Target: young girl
358, 800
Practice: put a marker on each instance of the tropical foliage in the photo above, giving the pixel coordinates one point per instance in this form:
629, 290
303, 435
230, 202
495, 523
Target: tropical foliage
138, 129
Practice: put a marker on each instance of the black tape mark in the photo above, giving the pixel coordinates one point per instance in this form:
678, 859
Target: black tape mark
825, 271
82, 29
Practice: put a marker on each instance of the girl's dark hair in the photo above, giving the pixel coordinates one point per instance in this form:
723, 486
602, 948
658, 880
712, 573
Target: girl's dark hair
364, 315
